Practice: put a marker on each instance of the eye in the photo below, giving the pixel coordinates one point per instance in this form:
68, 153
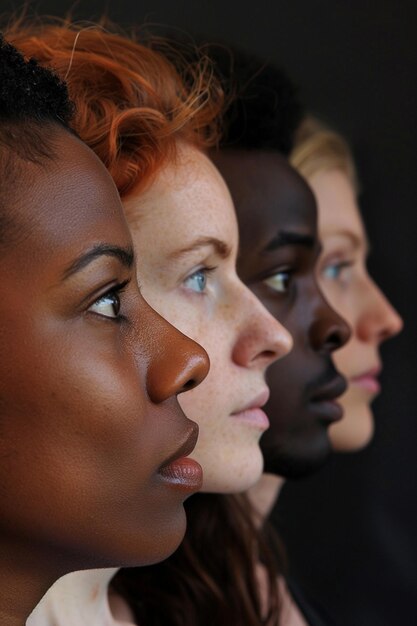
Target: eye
108, 305
280, 281
333, 271
197, 281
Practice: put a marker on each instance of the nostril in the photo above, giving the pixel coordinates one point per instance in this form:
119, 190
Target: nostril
190, 384
329, 337
334, 341
337, 337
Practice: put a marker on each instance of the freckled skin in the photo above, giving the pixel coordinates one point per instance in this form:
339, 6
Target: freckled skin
270, 198
188, 201
88, 407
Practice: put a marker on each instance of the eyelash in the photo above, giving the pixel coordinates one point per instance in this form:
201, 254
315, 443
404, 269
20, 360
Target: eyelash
116, 291
206, 270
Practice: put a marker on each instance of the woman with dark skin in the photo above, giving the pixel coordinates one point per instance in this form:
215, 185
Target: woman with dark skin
279, 254
93, 443
279, 248
184, 226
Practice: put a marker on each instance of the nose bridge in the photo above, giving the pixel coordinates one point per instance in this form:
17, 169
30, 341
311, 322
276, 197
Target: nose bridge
261, 338
379, 319
176, 362
328, 330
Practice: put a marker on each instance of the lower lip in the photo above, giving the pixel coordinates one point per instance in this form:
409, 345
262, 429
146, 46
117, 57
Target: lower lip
367, 383
329, 410
185, 474
255, 417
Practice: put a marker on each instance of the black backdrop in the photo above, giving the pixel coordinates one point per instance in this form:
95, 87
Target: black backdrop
351, 530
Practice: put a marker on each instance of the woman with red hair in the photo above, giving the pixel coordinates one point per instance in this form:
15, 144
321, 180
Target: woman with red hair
149, 123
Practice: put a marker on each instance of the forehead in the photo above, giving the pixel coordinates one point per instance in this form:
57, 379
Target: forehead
268, 193
188, 199
68, 202
338, 211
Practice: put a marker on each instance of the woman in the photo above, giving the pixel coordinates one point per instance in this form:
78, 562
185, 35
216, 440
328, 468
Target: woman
324, 158
184, 226
93, 443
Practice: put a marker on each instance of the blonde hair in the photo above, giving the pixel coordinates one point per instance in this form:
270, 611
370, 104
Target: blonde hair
318, 148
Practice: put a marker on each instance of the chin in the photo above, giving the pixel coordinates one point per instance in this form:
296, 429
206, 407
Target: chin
355, 430
148, 550
234, 473
297, 459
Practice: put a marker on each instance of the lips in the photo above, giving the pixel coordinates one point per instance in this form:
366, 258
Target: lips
256, 403
368, 380
179, 470
324, 399
252, 414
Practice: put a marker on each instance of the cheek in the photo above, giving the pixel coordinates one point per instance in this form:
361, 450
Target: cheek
208, 403
347, 358
78, 408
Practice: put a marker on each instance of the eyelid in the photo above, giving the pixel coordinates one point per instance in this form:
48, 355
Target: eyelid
287, 271
283, 269
208, 269
117, 289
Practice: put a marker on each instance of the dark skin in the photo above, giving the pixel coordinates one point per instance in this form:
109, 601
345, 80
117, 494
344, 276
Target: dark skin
89, 377
279, 248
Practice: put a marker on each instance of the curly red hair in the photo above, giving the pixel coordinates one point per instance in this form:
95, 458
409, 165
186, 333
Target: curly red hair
133, 104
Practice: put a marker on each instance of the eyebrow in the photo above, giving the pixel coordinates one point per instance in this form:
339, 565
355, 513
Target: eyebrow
286, 238
221, 247
356, 241
126, 257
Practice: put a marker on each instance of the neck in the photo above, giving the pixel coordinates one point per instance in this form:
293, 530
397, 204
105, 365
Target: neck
77, 598
264, 494
25, 576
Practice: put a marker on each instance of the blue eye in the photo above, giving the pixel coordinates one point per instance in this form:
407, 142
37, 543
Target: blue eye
279, 282
197, 281
334, 270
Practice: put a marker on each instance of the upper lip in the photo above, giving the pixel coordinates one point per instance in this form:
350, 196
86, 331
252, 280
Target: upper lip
374, 372
331, 390
187, 446
258, 401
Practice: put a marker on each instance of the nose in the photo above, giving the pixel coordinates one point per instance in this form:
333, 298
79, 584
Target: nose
261, 339
379, 320
328, 331
176, 364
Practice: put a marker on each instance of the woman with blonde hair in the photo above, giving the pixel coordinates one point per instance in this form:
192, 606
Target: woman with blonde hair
324, 158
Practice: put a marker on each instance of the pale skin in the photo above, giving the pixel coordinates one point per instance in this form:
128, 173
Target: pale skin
349, 288
186, 230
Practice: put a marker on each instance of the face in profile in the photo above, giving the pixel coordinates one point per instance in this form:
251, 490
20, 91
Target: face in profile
92, 439
184, 228
278, 253
352, 292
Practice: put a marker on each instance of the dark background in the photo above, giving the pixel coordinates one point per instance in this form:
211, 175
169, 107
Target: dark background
351, 530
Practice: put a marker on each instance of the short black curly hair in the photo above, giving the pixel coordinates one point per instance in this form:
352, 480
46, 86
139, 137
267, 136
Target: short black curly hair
32, 101
264, 108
